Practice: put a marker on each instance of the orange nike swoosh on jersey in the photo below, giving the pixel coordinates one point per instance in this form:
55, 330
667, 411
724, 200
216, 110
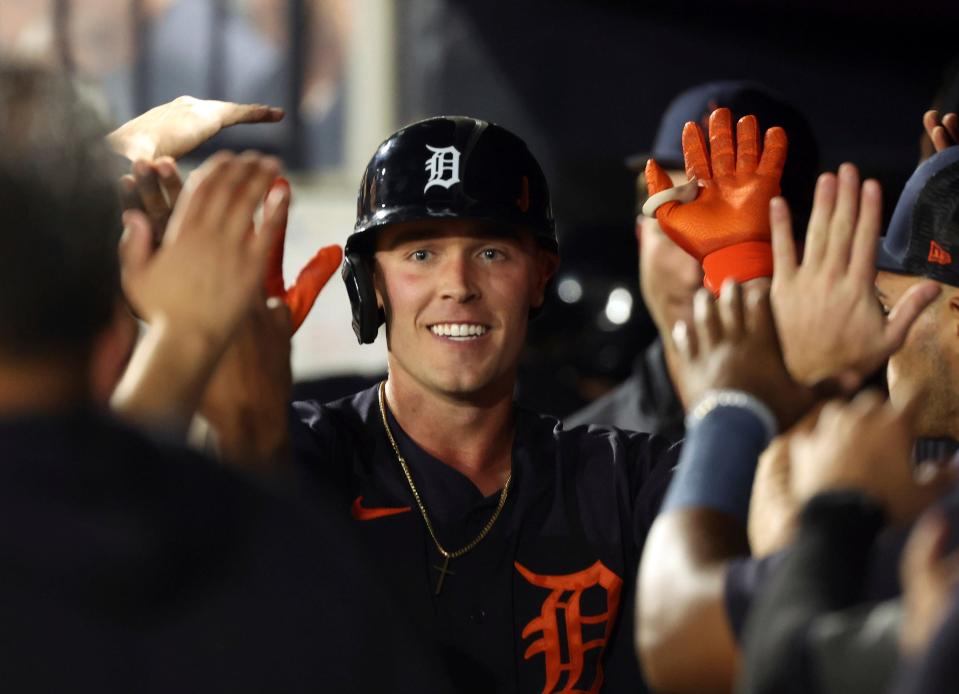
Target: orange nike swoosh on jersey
360, 512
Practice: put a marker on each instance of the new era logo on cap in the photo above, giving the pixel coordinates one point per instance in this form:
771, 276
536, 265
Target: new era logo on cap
938, 254
924, 229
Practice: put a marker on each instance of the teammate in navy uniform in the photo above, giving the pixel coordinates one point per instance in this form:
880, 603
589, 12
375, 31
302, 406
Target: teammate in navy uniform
128, 564
513, 542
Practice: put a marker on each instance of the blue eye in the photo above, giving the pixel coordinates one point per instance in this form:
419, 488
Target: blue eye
491, 254
420, 255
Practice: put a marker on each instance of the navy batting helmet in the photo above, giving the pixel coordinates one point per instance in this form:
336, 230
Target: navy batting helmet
449, 167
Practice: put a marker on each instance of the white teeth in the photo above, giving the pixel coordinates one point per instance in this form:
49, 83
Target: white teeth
460, 330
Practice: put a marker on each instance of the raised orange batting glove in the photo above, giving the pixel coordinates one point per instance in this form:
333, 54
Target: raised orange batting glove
301, 295
724, 223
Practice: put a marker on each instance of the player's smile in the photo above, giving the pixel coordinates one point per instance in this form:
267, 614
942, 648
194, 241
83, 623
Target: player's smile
459, 332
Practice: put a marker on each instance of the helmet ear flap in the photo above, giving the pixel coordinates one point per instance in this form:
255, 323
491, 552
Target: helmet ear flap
358, 277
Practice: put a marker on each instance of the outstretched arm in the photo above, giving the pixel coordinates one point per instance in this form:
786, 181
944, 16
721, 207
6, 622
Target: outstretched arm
731, 358
176, 128
194, 290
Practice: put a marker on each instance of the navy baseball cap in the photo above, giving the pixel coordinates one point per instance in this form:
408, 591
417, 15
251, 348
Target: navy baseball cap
923, 234
743, 98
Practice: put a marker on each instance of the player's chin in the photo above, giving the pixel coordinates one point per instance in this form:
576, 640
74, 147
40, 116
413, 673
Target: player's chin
465, 380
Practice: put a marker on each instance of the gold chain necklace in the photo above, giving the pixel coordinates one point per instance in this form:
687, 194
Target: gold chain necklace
447, 555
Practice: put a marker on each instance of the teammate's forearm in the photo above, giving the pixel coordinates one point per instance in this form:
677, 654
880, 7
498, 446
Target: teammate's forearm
681, 615
163, 384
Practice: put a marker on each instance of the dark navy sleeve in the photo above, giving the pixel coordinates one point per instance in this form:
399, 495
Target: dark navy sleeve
823, 573
745, 577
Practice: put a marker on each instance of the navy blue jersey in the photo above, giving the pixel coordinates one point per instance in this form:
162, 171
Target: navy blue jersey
545, 602
131, 566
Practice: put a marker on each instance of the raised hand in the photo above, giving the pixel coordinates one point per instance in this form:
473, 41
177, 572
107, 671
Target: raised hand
866, 445
195, 289
301, 295
208, 269
829, 321
178, 127
943, 133
732, 344
726, 226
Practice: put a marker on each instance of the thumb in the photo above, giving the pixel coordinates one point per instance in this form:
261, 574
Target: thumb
913, 302
657, 180
273, 283
310, 281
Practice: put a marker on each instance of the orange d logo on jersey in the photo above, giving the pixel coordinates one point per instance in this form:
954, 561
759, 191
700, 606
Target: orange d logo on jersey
561, 612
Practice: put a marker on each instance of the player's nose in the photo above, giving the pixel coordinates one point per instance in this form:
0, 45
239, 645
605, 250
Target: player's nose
457, 280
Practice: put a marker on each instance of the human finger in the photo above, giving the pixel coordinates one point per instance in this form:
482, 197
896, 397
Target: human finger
253, 191
747, 144
684, 340
844, 216
758, 312
731, 310
234, 114
170, 180
129, 200
913, 302
706, 319
657, 180
784, 246
773, 159
862, 262
950, 122
242, 188
274, 284
817, 231
192, 202
274, 220
694, 153
930, 119
865, 403
311, 280
722, 155
148, 188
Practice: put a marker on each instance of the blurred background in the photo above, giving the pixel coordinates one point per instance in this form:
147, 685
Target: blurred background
583, 82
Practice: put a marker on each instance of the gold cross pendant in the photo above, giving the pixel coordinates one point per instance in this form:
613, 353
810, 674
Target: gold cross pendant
443, 571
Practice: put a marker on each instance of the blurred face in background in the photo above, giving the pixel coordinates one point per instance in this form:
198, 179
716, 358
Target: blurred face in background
668, 276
